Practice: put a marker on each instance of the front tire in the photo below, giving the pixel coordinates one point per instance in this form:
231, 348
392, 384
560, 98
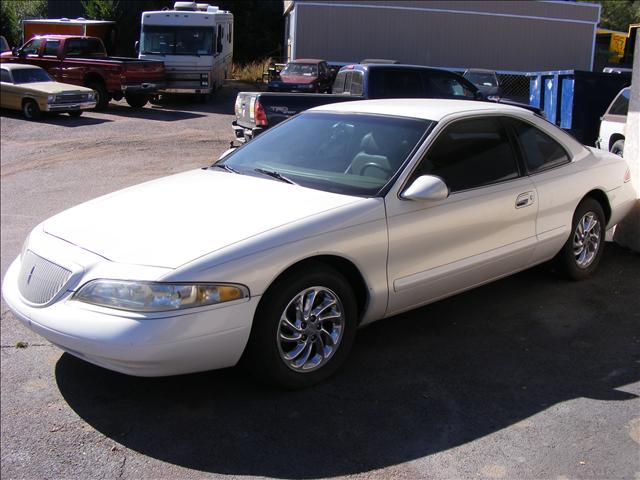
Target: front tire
582, 252
75, 113
303, 329
102, 96
31, 110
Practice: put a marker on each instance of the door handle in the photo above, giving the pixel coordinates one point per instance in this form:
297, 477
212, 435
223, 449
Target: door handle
525, 199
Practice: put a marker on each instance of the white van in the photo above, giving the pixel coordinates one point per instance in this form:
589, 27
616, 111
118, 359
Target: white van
195, 41
612, 123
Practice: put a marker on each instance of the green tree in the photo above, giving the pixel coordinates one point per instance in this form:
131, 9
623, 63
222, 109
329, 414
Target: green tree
102, 9
618, 14
12, 12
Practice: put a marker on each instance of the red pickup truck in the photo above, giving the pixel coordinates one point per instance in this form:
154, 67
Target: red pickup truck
84, 61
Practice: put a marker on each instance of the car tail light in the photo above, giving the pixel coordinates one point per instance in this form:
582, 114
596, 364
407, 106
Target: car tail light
261, 116
627, 175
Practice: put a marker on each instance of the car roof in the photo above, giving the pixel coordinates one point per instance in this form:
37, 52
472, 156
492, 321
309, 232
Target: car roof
18, 66
307, 60
426, 108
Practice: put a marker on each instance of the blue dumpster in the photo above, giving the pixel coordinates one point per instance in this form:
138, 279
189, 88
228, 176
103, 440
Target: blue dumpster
575, 99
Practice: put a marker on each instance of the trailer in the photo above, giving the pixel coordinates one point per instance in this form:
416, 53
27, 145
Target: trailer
195, 41
102, 29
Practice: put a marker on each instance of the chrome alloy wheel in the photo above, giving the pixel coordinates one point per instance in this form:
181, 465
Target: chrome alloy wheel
310, 329
586, 239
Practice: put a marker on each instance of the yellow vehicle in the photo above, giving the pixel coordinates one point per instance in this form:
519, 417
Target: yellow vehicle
30, 89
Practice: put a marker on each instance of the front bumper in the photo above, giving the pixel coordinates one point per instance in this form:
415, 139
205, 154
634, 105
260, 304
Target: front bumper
244, 134
67, 107
189, 341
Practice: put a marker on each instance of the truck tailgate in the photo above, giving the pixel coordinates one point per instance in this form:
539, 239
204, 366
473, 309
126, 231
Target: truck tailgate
280, 106
139, 71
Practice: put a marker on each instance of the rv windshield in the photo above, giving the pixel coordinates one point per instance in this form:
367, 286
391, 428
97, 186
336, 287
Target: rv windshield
169, 40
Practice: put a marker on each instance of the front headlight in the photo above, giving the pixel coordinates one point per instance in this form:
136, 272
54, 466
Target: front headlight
91, 96
157, 297
51, 99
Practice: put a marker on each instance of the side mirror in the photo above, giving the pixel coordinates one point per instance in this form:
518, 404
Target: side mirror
479, 95
14, 51
426, 188
137, 46
232, 147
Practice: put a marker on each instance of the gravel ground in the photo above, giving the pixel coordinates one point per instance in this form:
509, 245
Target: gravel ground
529, 377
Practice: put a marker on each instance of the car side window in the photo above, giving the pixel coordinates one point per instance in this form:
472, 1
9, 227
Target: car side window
621, 104
356, 84
51, 48
5, 76
442, 85
471, 153
395, 84
32, 47
540, 150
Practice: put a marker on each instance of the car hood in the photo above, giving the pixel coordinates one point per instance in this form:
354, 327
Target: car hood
299, 79
173, 220
53, 88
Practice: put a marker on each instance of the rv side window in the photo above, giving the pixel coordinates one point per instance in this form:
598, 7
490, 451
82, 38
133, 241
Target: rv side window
219, 43
229, 35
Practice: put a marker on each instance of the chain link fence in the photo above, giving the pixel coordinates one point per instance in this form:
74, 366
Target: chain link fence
514, 86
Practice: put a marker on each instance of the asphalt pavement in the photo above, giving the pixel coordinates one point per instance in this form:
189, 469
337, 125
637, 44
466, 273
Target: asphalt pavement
529, 377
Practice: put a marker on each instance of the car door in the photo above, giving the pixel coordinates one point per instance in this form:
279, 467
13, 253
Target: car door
548, 164
49, 59
30, 52
9, 95
484, 229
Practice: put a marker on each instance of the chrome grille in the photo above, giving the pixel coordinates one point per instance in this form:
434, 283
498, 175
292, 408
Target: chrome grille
40, 280
72, 98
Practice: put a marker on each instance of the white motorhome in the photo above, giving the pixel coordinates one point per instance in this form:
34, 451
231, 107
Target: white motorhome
195, 41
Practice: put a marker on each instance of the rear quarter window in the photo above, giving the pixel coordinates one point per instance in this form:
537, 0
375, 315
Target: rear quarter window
541, 152
621, 104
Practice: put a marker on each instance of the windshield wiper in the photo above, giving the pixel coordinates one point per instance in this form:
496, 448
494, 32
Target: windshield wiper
224, 166
274, 174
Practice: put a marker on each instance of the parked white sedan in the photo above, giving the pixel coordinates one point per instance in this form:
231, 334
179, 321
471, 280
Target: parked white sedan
343, 215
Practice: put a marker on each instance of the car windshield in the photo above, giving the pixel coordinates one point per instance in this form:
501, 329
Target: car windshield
306, 69
30, 75
165, 40
482, 78
352, 154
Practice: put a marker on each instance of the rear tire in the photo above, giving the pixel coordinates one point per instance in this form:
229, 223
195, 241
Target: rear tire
618, 147
582, 252
321, 309
102, 96
31, 110
137, 100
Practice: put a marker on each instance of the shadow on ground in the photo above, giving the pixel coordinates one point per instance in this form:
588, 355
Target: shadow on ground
414, 385
61, 119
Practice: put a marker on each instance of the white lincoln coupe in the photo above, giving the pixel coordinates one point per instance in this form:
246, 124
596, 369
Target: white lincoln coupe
343, 215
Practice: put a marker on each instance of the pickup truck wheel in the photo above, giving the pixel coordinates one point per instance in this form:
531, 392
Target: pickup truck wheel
102, 96
75, 113
137, 100
31, 110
